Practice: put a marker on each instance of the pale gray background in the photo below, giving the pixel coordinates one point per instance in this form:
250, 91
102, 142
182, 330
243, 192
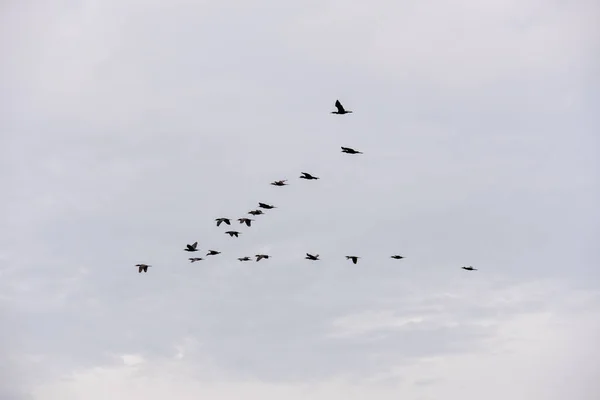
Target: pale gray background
128, 126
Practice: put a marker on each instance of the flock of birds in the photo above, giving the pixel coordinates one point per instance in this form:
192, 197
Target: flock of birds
248, 221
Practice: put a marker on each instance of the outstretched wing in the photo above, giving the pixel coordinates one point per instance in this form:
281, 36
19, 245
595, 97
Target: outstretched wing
339, 106
195, 245
354, 260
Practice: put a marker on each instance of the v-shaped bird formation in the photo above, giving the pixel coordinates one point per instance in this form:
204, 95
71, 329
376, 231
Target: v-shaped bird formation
340, 110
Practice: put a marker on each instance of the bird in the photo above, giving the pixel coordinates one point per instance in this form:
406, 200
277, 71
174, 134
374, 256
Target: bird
340, 109
469, 268
244, 258
142, 267
233, 233
266, 206
279, 183
261, 256
349, 150
255, 212
311, 257
396, 257
191, 247
353, 258
213, 253
194, 259
306, 175
246, 221
220, 220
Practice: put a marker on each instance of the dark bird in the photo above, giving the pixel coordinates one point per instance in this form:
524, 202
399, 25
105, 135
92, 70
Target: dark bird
213, 253
246, 221
191, 247
256, 212
469, 268
311, 257
266, 206
220, 220
279, 183
244, 258
233, 233
348, 150
353, 258
306, 175
340, 108
142, 267
396, 257
195, 259
260, 257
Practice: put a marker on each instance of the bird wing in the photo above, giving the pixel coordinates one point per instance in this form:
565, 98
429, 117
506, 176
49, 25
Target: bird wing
195, 245
219, 222
339, 106
354, 260
248, 222
227, 221
346, 148
140, 268
262, 205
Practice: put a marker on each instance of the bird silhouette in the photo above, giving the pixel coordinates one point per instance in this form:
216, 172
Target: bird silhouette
349, 150
279, 183
244, 258
256, 212
353, 258
311, 257
340, 109
233, 233
142, 267
469, 268
221, 220
246, 221
261, 256
213, 253
306, 175
396, 257
191, 247
194, 259
266, 206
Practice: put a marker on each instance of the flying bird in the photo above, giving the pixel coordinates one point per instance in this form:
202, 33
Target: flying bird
266, 206
340, 108
469, 268
246, 221
213, 253
233, 233
256, 212
221, 220
353, 258
306, 175
194, 259
142, 267
191, 247
311, 257
279, 183
349, 150
396, 257
261, 256
244, 258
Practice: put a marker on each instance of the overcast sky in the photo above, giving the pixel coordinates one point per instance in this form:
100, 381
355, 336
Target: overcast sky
127, 127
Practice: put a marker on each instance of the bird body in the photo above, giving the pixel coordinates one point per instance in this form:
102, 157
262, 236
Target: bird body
194, 259
353, 258
311, 257
469, 268
266, 206
221, 220
279, 183
233, 233
244, 258
306, 175
246, 221
142, 267
213, 253
192, 247
261, 256
396, 257
349, 150
340, 109
255, 212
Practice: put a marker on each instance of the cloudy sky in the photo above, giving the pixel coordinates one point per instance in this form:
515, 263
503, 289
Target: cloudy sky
127, 127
